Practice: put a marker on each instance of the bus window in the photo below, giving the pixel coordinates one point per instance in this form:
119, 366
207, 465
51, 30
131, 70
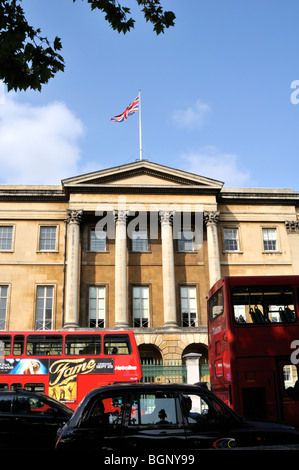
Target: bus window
35, 387
260, 305
76, 345
290, 380
216, 305
18, 345
5, 345
117, 344
44, 345
3, 386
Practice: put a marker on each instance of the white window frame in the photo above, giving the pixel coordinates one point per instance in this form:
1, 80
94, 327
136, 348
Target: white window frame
3, 305
140, 306
49, 239
139, 240
188, 305
185, 244
231, 237
6, 238
97, 306
45, 294
97, 240
267, 238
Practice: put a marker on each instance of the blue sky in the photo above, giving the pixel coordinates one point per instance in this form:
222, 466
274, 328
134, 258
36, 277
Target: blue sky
215, 89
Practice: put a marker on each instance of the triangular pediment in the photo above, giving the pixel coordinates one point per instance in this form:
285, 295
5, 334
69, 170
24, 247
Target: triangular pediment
142, 174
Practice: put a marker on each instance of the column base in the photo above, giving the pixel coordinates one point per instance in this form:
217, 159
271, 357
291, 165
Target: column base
71, 326
121, 326
171, 326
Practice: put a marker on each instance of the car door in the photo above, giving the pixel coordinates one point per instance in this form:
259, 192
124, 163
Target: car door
101, 425
208, 425
7, 423
37, 421
154, 418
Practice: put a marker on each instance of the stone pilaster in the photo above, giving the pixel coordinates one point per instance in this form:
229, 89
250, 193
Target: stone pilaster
169, 298
211, 220
121, 317
71, 319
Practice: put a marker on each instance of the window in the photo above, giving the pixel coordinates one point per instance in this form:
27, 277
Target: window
3, 306
263, 305
44, 308
216, 305
97, 306
270, 239
231, 239
117, 344
140, 306
107, 411
47, 238
44, 345
203, 410
157, 409
6, 234
139, 240
5, 345
188, 306
186, 240
82, 344
97, 240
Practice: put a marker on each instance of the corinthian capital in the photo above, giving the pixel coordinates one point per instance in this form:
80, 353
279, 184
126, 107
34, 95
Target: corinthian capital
74, 216
121, 216
292, 226
166, 217
211, 217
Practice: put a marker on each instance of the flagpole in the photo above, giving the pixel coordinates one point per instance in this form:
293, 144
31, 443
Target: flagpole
140, 137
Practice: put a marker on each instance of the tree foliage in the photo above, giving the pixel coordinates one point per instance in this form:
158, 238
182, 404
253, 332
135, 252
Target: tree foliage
30, 60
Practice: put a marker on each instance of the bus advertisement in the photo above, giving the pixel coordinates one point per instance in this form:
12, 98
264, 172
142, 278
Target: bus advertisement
253, 328
66, 365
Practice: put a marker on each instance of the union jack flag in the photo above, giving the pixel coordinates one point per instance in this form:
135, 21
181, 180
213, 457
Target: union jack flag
132, 108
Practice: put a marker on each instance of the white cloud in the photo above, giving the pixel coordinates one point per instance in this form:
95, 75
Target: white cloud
214, 164
193, 117
38, 144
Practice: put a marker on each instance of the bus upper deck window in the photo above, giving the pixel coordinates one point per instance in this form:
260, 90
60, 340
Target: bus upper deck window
216, 306
44, 345
76, 345
18, 345
263, 305
117, 344
5, 345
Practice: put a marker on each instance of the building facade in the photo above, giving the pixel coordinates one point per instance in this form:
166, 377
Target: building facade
137, 247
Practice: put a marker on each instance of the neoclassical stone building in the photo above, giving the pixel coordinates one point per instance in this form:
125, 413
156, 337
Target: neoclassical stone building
136, 246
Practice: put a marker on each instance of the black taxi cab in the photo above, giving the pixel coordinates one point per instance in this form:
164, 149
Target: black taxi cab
167, 416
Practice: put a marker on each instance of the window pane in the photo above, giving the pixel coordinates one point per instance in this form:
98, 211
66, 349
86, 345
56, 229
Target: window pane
44, 307
47, 241
82, 344
188, 306
231, 242
156, 408
139, 240
97, 240
270, 239
140, 306
3, 306
185, 240
264, 305
97, 307
6, 238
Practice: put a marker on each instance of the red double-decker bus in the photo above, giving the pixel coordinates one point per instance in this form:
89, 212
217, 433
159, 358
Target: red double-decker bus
66, 365
253, 327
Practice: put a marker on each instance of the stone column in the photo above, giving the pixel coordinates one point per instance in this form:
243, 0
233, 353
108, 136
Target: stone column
292, 228
169, 299
121, 319
192, 367
211, 220
71, 319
